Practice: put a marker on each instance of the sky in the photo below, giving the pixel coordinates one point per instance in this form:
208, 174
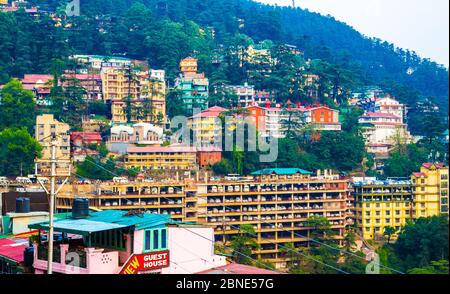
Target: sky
418, 25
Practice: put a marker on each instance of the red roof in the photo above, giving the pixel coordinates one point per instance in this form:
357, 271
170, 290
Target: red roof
437, 164
214, 111
386, 123
83, 76
380, 114
12, 250
239, 269
34, 78
419, 175
321, 107
86, 136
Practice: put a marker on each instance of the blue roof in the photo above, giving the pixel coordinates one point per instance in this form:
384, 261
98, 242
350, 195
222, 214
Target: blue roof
104, 221
282, 171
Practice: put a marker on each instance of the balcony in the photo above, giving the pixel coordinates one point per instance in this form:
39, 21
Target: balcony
71, 259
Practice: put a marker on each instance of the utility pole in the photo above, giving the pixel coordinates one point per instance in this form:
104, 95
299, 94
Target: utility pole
52, 206
293, 3
52, 195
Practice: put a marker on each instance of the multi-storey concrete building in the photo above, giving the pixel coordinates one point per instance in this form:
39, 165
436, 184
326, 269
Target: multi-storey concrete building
47, 129
274, 121
430, 189
276, 202
194, 86
245, 93
207, 126
167, 158
145, 93
381, 204
383, 130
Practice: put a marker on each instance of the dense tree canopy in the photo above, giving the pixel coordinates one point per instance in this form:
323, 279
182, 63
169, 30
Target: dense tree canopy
17, 107
17, 152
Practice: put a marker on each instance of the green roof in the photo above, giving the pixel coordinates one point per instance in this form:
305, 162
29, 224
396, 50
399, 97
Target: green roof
104, 221
281, 171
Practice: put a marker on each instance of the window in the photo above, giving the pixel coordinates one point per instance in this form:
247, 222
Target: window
147, 240
163, 238
155, 240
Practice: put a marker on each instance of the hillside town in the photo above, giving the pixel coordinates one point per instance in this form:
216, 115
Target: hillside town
112, 165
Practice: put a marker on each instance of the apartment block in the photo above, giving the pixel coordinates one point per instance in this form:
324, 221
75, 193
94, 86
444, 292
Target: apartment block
194, 86
207, 126
381, 204
48, 127
165, 158
430, 189
276, 202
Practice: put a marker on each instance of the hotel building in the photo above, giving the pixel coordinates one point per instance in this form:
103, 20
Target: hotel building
430, 189
379, 204
276, 202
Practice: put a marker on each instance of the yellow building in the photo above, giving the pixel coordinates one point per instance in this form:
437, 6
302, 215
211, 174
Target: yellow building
46, 127
166, 158
143, 91
207, 126
430, 188
117, 84
148, 111
381, 204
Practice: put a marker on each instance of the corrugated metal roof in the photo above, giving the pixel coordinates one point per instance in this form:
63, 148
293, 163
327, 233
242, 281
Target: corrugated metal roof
12, 250
281, 171
104, 221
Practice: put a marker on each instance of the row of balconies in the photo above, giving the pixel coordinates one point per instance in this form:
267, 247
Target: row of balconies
266, 200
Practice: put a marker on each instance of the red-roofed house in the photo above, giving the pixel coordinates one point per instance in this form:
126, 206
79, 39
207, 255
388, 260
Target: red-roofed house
80, 141
323, 118
40, 84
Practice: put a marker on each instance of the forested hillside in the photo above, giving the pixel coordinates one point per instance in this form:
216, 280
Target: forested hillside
321, 37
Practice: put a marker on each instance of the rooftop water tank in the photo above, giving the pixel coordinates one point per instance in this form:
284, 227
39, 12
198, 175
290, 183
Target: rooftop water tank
22, 205
80, 208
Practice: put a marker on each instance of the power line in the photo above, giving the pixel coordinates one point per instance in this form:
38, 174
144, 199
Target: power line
305, 255
269, 241
296, 234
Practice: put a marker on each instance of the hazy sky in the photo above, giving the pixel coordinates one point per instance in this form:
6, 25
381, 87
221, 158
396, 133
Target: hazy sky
418, 25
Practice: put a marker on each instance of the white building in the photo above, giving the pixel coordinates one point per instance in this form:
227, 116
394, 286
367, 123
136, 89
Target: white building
383, 130
245, 93
140, 133
157, 74
391, 106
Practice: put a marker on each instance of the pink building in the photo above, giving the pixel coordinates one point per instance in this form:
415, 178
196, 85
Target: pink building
113, 242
